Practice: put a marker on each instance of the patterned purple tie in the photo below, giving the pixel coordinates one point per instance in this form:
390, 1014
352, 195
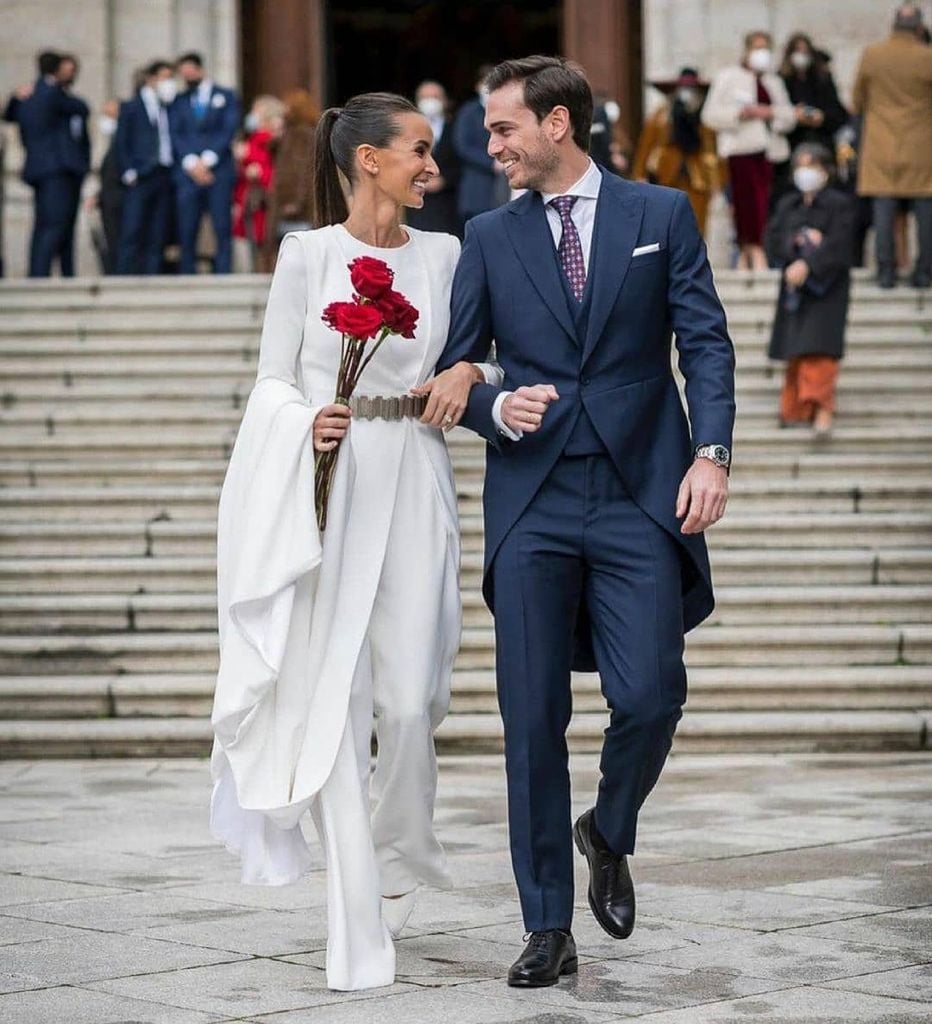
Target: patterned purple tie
570, 248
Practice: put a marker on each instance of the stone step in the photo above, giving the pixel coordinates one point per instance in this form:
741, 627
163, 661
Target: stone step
821, 494
214, 441
825, 688
468, 466
727, 646
93, 537
753, 731
87, 611
779, 567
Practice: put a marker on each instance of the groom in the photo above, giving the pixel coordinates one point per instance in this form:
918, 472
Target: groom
597, 488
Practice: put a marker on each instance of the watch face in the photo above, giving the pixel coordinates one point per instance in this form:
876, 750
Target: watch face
720, 454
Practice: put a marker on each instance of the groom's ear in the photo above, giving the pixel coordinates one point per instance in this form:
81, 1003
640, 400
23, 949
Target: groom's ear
368, 158
560, 124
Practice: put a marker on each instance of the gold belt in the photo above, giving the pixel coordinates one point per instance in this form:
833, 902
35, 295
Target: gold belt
395, 407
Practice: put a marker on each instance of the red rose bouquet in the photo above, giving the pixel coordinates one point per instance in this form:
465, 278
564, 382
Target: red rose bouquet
373, 313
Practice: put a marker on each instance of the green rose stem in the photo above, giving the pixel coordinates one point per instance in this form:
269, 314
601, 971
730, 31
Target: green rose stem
352, 365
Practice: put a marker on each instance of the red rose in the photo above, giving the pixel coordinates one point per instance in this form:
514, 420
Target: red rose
399, 315
371, 277
357, 319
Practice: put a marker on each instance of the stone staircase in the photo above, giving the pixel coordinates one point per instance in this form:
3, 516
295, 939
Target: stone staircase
120, 400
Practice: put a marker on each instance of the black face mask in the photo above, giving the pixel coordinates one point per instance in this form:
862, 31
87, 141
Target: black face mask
685, 127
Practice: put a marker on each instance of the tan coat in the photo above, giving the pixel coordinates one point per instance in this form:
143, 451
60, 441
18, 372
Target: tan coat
893, 93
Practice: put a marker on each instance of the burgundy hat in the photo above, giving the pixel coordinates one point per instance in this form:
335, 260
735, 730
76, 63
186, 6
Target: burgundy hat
688, 78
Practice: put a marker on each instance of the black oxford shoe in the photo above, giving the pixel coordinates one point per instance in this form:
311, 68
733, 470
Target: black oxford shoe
611, 891
546, 957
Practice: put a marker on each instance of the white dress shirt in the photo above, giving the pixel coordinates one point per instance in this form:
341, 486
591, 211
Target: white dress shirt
586, 191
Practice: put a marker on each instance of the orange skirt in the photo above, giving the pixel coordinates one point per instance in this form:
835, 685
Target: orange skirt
809, 385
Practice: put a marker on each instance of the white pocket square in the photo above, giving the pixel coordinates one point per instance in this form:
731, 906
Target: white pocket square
643, 250
218, 101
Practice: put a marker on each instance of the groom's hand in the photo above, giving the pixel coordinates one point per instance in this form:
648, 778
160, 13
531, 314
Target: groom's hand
702, 496
523, 410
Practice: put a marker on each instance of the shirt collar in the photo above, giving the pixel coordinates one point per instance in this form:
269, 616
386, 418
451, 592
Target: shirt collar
204, 89
586, 188
148, 95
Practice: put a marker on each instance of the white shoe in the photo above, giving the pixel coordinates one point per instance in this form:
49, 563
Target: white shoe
397, 910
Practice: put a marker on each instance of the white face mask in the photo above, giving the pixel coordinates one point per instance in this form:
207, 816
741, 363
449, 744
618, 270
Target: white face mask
612, 111
801, 60
688, 97
166, 89
106, 125
483, 93
759, 60
809, 179
430, 106
251, 122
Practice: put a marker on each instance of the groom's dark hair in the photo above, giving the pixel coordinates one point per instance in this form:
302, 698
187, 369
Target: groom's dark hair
550, 82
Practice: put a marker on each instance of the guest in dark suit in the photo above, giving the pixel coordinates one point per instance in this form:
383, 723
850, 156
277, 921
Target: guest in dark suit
439, 212
144, 157
53, 127
479, 172
597, 485
203, 121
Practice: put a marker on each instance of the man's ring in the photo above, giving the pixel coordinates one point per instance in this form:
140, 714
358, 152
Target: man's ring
447, 421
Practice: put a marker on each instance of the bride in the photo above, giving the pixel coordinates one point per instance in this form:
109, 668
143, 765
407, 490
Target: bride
319, 634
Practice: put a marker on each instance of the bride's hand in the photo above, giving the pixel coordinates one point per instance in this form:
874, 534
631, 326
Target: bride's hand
330, 427
448, 393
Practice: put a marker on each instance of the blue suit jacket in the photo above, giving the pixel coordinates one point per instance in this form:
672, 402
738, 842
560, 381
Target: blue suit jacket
137, 139
477, 178
53, 127
215, 131
507, 288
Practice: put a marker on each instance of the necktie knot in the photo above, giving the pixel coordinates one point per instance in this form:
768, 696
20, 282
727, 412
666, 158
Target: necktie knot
564, 205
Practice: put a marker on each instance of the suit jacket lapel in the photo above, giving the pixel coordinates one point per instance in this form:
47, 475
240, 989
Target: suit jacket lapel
530, 235
617, 223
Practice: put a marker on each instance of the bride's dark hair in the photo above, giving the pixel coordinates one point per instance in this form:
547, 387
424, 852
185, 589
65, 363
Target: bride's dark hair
367, 120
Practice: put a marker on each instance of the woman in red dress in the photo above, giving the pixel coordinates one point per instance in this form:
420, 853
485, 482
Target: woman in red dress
255, 170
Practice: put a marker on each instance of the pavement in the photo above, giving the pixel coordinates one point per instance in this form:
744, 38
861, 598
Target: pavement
785, 888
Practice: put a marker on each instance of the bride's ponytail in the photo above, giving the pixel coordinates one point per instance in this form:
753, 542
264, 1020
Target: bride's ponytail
370, 119
329, 201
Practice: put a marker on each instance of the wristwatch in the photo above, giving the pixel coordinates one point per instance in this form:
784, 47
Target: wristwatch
717, 453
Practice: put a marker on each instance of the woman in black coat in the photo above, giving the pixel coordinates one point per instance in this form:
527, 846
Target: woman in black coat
819, 111
810, 237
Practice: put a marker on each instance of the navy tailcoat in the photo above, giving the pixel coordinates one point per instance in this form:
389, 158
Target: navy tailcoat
508, 289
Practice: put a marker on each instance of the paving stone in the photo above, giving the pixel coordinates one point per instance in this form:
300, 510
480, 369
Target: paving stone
16, 890
16, 930
787, 956
242, 989
80, 1006
801, 1006
904, 983
93, 956
908, 930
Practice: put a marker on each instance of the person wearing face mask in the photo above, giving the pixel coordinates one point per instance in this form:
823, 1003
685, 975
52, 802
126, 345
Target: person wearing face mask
145, 159
819, 111
480, 173
255, 174
439, 212
106, 207
291, 205
811, 237
53, 128
749, 109
893, 96
204, 120
675, 148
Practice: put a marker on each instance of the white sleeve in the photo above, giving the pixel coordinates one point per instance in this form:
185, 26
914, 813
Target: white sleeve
492, 372
285, 313
512, 435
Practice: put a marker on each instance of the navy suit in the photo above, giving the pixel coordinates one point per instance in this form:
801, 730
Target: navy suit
147, 201
585, 565
53, 127
477, 177
193, 133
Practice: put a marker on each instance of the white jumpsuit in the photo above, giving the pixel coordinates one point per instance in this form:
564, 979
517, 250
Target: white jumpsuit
318, 634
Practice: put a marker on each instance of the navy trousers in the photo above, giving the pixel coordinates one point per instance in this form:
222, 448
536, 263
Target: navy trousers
583, 537
144, 225
193, 201
57, 198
